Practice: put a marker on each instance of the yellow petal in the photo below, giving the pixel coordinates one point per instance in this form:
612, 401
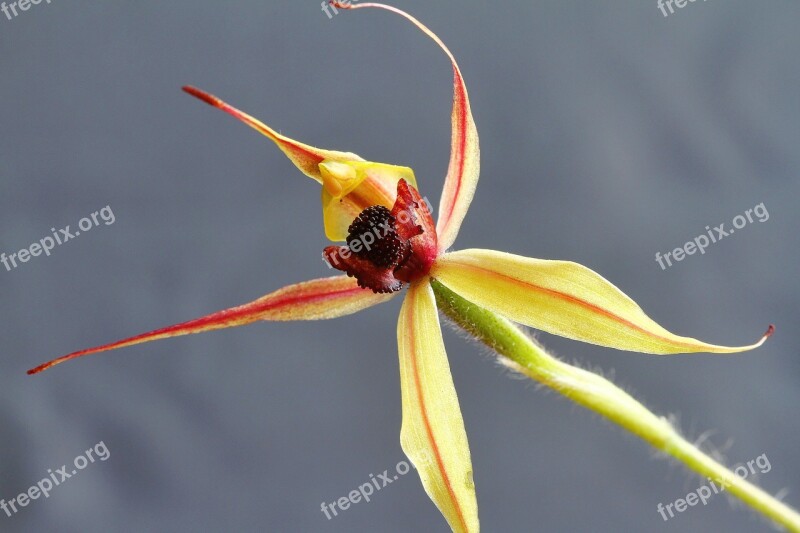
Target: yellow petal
433, 434
352, 186
339, 178
312, 300
464, 168
562, 298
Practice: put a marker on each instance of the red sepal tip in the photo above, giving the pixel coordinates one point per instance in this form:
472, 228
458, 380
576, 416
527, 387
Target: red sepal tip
210, 99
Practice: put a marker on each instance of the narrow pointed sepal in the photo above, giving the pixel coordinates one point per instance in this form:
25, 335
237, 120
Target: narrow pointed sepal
565, 299
306, 158
311, 300
433, 435
349, 184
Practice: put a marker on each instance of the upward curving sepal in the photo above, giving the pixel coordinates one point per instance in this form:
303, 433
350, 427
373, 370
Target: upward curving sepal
464, 168
565, 299
311, 300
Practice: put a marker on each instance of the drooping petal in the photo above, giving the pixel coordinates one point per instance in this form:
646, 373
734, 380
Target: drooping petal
433, 435
464, 168
305, 157
311, 300
562, 298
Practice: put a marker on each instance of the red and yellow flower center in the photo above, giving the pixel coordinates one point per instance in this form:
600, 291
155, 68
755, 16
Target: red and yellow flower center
386, 248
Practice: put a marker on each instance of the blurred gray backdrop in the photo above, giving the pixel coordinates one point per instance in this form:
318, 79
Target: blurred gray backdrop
609, 133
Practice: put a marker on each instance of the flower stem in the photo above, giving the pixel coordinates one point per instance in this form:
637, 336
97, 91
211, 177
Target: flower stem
523, 354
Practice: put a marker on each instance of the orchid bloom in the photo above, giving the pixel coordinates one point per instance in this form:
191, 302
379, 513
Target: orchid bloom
389, 240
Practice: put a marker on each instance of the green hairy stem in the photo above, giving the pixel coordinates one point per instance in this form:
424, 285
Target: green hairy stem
523, 354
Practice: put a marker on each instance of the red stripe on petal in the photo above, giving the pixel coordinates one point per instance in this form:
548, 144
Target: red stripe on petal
464, 167
305, 157
311, 300
418, 385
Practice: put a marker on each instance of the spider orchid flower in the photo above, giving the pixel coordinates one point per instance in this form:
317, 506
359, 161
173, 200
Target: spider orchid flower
390, 241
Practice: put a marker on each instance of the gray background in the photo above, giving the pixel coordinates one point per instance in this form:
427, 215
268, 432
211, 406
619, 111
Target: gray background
608, 133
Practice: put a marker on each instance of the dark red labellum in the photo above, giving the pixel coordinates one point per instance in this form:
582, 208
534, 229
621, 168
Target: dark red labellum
386, 248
